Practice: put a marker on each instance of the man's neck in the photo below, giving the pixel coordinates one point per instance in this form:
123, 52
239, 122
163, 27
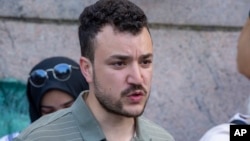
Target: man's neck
123, 129
113, 126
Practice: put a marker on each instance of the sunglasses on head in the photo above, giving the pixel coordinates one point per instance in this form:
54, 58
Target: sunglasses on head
61, 72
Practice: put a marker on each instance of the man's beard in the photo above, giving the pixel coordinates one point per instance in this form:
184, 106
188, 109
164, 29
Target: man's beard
116, 107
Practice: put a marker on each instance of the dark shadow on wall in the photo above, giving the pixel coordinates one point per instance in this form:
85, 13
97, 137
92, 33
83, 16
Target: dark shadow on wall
13, 106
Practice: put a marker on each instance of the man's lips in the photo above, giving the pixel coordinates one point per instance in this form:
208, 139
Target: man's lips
136, 96
137, 92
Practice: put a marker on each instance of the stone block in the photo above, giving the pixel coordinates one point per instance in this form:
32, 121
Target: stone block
225, 13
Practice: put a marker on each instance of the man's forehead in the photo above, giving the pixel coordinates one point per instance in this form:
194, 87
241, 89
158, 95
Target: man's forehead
123, 44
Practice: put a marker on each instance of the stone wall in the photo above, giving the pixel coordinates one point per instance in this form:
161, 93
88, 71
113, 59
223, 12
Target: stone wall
196, 84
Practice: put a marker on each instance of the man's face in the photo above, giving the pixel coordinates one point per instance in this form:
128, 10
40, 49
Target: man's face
122, 71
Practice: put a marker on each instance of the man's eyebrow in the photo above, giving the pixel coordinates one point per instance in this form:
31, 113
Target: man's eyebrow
149, 55
124, 57
120, 57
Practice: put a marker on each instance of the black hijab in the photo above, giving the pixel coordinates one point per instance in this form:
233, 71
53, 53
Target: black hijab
73, 86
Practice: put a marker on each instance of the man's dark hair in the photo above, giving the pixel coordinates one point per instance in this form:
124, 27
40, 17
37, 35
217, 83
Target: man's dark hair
122, 15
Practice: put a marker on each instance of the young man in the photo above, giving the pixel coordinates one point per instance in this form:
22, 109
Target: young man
117, 57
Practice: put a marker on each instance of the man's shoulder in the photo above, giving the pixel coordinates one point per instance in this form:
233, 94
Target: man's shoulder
46, 123
221, 128
219, 132
153, 130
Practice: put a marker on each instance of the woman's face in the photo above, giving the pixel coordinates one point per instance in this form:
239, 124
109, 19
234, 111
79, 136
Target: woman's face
54, 100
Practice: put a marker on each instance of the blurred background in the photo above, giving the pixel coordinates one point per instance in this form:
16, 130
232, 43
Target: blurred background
196, 84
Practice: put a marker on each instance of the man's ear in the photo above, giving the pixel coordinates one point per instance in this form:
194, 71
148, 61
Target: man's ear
86, 69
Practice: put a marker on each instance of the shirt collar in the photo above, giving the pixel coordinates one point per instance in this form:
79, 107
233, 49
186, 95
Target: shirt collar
141, 133
241, 117
88, 125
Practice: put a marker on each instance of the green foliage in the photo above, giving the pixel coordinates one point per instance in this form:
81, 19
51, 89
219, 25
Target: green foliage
13, 106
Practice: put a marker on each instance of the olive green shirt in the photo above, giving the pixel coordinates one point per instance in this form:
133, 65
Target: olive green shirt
77, 123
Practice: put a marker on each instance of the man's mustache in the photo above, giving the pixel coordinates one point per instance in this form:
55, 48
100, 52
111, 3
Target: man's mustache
133, 88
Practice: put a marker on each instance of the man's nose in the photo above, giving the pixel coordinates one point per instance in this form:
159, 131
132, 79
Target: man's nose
135, 75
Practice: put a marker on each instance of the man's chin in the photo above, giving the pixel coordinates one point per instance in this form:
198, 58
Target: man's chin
133, 113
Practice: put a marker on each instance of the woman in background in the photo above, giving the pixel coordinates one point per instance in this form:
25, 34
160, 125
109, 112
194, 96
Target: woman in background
53, 84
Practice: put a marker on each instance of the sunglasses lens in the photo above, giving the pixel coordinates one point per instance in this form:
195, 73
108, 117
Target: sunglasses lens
62, 71
38, 77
